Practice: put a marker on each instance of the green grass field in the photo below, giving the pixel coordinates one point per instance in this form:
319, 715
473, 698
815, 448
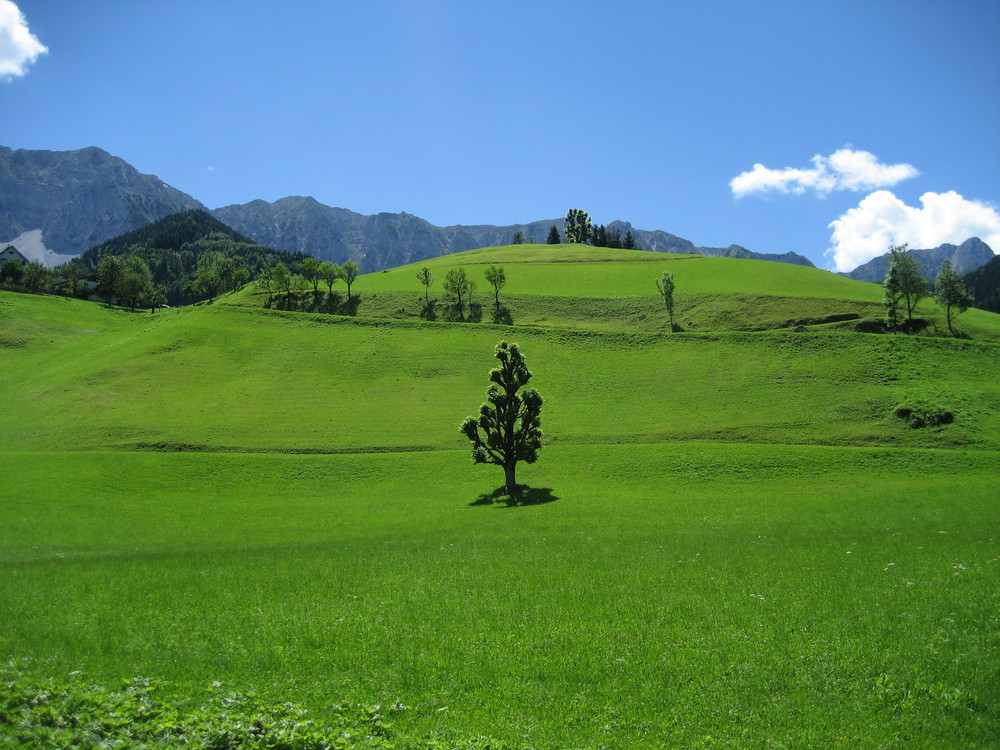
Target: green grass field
736, 541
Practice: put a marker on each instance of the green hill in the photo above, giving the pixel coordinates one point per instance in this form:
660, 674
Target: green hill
172, 246
984, 285
589, 288
739, 541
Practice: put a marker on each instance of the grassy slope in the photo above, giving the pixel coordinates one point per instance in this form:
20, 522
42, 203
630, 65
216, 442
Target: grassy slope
210, 378
684, 592
583, 287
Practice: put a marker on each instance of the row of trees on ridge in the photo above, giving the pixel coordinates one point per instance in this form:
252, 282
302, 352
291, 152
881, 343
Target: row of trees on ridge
579, 229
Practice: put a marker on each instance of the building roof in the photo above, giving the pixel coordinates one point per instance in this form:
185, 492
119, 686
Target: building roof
12, 253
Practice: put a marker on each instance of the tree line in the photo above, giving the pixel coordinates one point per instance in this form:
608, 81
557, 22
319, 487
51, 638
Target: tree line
577, 228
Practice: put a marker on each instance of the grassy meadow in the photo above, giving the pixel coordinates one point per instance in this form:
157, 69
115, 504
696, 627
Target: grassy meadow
733, 540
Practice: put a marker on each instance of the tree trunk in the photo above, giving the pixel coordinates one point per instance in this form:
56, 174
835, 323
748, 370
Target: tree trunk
511, 484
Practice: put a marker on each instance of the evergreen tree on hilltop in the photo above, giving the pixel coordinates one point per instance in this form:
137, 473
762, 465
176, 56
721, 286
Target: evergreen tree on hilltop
578, 226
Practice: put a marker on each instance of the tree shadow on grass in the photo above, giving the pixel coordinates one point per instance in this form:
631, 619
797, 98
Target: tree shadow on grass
429, 310
502, 315
523, 495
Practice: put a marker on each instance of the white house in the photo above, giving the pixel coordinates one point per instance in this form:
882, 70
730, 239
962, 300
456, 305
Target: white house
12, 253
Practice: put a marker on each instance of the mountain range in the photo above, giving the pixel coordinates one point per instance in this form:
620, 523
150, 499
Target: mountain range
57, 204
77, 199
964, 258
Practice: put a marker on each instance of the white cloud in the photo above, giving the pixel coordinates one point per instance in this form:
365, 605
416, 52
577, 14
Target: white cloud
19, 48
881, 219
845, 169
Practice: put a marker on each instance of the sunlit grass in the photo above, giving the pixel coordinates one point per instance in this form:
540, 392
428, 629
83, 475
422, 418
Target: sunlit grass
739, 542
669, 592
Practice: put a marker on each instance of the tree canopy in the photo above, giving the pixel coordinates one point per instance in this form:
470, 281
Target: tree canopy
173, 246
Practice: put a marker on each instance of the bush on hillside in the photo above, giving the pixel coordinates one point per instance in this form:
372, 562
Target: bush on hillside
924, 415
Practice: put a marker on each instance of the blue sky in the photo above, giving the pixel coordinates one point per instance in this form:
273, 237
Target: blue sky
873, 122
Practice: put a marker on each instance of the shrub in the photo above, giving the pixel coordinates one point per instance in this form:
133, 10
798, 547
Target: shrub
924, 415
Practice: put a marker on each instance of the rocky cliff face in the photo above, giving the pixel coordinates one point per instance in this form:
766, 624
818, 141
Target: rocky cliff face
386, 240
966, 257
79, 198
303, 224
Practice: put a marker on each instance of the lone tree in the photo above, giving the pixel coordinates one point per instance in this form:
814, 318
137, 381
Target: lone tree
666, 286
425, 277
949, 292
496, 278
508, 427
577, 226
553, 238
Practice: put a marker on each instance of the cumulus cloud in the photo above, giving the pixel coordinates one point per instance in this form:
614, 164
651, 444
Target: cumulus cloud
881, 219
845, 169
19, 48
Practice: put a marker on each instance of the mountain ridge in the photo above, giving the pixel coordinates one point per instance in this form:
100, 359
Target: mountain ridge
385, 240
970, 255
79, 198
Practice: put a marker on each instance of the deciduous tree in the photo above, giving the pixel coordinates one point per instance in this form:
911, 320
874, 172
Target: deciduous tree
109, 270
496, 278
135, 283
666, 286
908, 285
281, 278
349, 272
36, 276
330, 272
458, 284
508, 428
310, 270
11, 272
425, 277
949, 292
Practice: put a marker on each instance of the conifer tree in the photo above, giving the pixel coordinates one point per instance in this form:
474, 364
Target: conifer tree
577, 226
508, 428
